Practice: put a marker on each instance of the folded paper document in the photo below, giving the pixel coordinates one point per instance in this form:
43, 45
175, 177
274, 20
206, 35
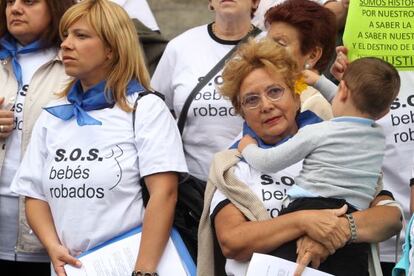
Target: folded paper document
266, 265
117, 257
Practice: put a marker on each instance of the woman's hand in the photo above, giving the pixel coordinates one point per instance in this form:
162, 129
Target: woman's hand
41, 221
6, 121
245, 141
341, 62
309, 251
327, 227
59, 256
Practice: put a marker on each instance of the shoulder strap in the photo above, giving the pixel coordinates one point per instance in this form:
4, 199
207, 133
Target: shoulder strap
208, 77
140, 95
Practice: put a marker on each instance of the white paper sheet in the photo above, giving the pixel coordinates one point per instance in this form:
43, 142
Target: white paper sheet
117, 258
266, 265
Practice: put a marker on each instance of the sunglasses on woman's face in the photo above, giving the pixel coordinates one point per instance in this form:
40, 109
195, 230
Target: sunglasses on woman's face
254, 100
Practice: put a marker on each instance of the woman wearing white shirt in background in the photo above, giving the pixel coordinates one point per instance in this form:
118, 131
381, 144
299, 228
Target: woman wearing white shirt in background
211, 123
31, 71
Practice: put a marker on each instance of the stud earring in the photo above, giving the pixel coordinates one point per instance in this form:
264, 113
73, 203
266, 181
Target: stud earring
308, 66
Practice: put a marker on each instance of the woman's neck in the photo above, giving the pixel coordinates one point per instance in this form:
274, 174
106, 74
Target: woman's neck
272, 140
230, 29
93, 78
87, 84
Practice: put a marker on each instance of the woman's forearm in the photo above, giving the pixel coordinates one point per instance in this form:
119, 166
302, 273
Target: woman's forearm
158, 219
40, 220
377, 223
239, 238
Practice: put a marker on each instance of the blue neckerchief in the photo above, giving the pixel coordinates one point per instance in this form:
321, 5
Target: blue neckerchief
302, 119
93, 99
9, 49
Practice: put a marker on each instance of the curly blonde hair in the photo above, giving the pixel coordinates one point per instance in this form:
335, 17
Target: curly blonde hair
257, 54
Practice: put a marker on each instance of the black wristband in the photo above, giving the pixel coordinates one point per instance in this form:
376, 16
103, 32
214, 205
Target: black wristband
386, 193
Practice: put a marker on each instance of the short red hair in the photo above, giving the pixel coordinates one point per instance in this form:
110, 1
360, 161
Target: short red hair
315, 24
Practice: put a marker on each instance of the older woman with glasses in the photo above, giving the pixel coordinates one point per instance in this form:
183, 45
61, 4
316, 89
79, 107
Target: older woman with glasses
242, 204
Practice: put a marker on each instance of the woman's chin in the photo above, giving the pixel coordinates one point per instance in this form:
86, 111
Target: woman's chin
70, 72
276, 132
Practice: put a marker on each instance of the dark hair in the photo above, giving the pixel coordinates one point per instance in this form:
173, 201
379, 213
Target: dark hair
373, 84
315, 24
51, 36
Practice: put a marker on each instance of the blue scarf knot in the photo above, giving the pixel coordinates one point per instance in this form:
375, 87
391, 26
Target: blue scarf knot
92, 99
10, 49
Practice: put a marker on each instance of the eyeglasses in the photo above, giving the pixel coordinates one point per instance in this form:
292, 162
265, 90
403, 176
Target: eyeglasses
252, 101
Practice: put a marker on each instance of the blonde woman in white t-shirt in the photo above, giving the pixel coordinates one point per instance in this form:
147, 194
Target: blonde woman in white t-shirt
89, 152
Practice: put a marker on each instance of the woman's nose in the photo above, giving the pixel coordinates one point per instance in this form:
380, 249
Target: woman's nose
16, 7
266, 104
66, 44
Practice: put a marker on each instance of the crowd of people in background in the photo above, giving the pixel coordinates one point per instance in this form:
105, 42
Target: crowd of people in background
96, 105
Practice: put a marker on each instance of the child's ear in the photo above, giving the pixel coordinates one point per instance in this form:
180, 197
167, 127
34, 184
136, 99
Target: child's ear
343, 91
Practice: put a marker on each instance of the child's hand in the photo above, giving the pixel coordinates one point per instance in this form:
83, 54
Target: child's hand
245, 141
310, 77
341, 62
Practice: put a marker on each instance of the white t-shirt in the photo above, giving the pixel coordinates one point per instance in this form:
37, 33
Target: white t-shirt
140, 10
9, 201
264, 5
398, 127
211, 122
89, 175
29, 63
269, 188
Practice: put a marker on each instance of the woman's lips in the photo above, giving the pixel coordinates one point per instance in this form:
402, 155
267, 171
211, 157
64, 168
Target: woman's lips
16, 21
272, 121
67, 59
